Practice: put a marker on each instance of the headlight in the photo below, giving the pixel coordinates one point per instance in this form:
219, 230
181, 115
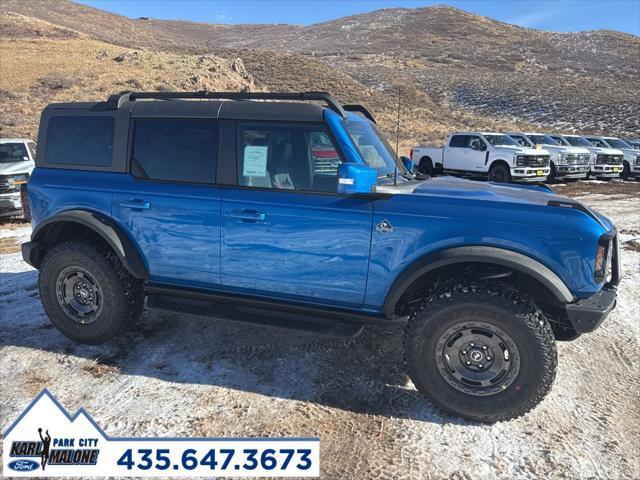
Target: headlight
603, 258
638, 160
562, 158
19, 179
520, 161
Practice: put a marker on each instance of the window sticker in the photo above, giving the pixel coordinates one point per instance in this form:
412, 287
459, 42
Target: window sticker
255, 161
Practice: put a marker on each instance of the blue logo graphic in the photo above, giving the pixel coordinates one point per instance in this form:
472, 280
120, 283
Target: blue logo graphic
23, 465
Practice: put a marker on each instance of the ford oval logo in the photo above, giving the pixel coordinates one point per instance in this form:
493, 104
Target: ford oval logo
23, 465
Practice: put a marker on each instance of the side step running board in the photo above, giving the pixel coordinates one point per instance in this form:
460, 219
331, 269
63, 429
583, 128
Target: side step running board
256, 316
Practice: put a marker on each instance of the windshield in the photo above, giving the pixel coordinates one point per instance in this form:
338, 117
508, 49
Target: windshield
373, 148
579, 142
561, 141
501, 140
617, 143
542, 140
13, 152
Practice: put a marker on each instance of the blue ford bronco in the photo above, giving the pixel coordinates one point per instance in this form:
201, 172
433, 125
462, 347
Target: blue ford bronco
292, 210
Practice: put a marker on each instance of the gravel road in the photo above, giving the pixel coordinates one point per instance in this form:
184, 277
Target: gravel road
187, 376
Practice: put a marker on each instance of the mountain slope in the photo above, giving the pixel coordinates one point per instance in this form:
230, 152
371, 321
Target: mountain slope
443, 59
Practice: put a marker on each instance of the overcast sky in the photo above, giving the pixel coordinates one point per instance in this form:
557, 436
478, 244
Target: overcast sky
555, 15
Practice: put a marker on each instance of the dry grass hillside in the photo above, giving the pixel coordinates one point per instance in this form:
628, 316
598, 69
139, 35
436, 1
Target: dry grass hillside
44, 63
456, 70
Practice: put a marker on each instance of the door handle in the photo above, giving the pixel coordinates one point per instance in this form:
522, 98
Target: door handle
248, 215
136, 204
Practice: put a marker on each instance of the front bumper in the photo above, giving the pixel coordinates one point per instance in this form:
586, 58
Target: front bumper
588, 313
606, 171
572, 171
529, 174
10, 204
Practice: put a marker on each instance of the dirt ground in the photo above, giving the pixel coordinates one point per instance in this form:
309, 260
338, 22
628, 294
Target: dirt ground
188, 376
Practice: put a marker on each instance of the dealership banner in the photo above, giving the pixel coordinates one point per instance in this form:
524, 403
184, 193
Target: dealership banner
46, 441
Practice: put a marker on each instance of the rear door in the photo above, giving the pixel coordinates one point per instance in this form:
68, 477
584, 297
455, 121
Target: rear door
168, 201
455, 152
285, 232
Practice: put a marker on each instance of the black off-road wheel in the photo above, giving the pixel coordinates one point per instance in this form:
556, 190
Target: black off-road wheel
626, 170
426, 166
499, 174
87, 293
481, 351
552, 172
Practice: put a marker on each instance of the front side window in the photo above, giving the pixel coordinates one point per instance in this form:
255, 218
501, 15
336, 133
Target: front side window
498, 139
13, 152
542, 140
618, 143
579, 142
475, 143
81, 140
521, 140
598, 143
175, 149
287, 157
561, 141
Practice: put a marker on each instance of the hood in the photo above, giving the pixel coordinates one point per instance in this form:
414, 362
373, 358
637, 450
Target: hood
473, 190
606, 151
16, 167
563, 149
520, 150
630, 153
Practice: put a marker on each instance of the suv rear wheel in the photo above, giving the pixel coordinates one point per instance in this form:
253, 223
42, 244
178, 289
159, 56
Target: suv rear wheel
483, 351
87, 293
500, 174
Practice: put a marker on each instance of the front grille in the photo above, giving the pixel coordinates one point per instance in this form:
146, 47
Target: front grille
603, 159
577, 159
5, 186
533, 160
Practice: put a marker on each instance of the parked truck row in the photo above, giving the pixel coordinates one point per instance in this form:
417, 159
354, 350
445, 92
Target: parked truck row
500, 157
529, 157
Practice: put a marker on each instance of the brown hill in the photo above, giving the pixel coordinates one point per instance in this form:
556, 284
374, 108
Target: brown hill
452, 66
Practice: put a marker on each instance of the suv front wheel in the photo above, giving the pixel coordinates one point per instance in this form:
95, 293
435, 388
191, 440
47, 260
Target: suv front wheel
87, 293
483, 351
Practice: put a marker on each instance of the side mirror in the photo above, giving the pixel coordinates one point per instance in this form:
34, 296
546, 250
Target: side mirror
407, 162
356, 178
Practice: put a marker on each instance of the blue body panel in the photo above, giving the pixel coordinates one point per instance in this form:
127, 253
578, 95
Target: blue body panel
53, 191
303, 246
179, 232
322, 249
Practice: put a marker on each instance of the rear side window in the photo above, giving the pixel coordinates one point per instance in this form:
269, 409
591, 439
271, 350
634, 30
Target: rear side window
175, 149
81, 140
460, 141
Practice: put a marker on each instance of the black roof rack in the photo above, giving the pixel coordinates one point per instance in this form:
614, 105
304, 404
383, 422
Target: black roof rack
117, 100
361, 109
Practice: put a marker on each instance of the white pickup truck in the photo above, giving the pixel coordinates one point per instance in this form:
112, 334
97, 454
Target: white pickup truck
566, 162
17, 160
605, 162
631, 160
493, 155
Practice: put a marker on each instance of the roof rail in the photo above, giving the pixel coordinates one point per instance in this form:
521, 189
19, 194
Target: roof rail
361, 109
117, 100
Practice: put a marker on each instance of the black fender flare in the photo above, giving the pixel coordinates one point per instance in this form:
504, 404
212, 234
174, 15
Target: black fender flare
102, 225
466, 254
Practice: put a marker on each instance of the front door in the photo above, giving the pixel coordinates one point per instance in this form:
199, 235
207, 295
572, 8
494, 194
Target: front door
169, 203
285, 232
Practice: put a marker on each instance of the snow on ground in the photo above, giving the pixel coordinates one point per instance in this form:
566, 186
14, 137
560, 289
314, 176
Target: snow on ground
187, 376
